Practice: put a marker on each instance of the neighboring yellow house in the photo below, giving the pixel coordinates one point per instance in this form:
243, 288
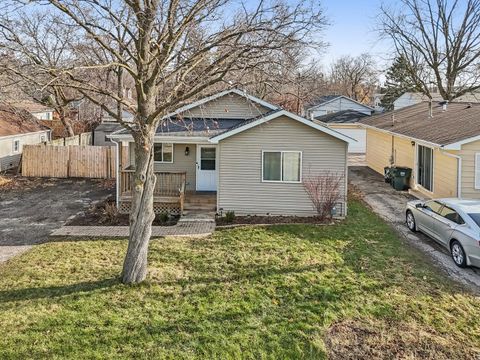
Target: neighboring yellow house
439, 142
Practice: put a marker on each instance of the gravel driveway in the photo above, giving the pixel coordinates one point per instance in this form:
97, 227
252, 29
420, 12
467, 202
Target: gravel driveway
390, 205
33, 208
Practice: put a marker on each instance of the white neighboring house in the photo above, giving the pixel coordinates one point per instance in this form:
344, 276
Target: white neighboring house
330, 104
413, 98
17, 128
341, 113
41, 112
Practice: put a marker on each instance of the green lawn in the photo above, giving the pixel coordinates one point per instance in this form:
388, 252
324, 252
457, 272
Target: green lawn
284, 292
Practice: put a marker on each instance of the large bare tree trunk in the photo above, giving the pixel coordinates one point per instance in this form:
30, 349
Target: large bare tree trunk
66, 122
142, 214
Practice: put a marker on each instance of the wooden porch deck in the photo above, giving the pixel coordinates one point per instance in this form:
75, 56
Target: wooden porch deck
169, 193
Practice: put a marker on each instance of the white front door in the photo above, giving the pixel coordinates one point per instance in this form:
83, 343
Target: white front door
206, 168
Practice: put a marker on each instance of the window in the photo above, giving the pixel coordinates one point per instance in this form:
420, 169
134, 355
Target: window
477, 171
282, 166
451, 215
433, 206
16, 146
163, 153
475, 217
207, 158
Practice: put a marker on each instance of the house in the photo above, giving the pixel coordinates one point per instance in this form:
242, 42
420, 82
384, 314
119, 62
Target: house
17, 128
107, 126
412, 98
333, 103
440, 143
249, 155
347, 123
41, 112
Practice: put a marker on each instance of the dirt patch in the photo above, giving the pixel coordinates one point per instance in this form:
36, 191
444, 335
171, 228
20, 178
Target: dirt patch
393, 340
266, 220
105, 213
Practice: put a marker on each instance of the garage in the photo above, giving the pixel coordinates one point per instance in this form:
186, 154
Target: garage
347, 123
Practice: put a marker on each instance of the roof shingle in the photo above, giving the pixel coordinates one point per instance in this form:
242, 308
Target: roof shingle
459, 122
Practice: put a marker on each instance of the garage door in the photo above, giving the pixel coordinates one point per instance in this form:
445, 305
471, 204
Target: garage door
358, 134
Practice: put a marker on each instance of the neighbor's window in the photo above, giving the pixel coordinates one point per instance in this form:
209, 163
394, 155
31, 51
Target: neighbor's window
283, 166
16, 146
163, 153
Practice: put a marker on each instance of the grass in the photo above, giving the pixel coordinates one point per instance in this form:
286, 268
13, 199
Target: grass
351, 290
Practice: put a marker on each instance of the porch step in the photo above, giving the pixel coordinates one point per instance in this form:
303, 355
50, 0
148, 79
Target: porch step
199, 207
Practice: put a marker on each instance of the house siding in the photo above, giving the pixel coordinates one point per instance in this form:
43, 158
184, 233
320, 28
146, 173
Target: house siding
337, 105
230, 106
181, 162
240, 186
381, 146
9, 159
467, 153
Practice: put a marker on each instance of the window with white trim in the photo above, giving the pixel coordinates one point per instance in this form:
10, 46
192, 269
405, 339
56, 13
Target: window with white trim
16, 146
163, 153
281, 166
477, 171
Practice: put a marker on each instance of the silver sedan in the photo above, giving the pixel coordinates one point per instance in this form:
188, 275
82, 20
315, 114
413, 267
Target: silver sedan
454, 223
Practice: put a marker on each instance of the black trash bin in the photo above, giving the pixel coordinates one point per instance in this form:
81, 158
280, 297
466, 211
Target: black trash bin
401, 178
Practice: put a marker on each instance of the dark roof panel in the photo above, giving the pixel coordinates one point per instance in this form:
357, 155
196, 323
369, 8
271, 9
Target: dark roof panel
342, 117
458, 122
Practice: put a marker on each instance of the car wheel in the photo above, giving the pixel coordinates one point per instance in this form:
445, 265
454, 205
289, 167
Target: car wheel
458, 254
410, 219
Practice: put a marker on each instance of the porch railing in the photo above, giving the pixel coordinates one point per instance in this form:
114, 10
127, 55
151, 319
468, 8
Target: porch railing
168, 184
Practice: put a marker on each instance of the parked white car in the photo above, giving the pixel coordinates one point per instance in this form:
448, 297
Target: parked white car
454, 223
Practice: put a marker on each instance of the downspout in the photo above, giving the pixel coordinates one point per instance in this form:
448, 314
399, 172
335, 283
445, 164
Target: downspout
117, 182
459, 171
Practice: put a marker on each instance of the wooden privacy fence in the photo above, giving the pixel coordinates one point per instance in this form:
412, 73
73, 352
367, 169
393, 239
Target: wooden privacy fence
69, 161
80, 139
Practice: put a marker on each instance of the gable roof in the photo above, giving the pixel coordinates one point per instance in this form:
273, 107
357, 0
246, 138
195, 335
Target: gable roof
460, 123
248, 124
15, 121
219, 95
323, 100
341, 117
32, 106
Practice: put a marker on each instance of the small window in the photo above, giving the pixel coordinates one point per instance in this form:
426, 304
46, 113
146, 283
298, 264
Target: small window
43, 138
477, 171
451, 215
433, 206
282, 166
163, 153
16, 146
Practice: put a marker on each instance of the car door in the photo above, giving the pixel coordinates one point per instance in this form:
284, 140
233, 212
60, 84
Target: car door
427, 217
446, 223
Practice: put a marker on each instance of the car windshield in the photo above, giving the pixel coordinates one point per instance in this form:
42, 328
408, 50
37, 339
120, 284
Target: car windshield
476, 218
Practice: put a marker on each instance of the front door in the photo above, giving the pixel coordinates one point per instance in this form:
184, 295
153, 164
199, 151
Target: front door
206, 168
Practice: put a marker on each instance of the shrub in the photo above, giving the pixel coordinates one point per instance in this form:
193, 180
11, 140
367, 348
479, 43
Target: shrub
230, 216
163, 217
109, 213
324, 192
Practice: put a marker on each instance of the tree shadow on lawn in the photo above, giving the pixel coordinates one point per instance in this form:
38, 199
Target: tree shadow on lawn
56, 291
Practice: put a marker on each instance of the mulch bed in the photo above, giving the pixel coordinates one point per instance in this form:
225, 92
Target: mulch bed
262, 220
105, 213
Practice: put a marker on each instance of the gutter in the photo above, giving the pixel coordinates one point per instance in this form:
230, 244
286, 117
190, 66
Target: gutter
459, 170
117, 182
419, 141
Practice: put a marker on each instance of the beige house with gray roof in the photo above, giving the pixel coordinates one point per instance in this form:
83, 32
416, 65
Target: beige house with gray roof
441, 144
251, 156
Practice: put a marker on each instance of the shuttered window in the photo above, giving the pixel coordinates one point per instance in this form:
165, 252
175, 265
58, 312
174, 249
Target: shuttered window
477, 171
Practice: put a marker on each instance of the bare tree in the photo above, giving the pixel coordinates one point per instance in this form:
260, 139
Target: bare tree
355, 77
39, 39
440, 41
173, 50
324, 192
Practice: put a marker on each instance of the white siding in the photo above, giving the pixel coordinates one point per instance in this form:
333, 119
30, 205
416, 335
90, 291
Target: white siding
230, 106
336, 105
9, 158
240, 185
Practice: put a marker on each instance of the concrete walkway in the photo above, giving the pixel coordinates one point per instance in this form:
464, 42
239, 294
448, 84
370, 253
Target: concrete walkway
390, 204
193, 225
